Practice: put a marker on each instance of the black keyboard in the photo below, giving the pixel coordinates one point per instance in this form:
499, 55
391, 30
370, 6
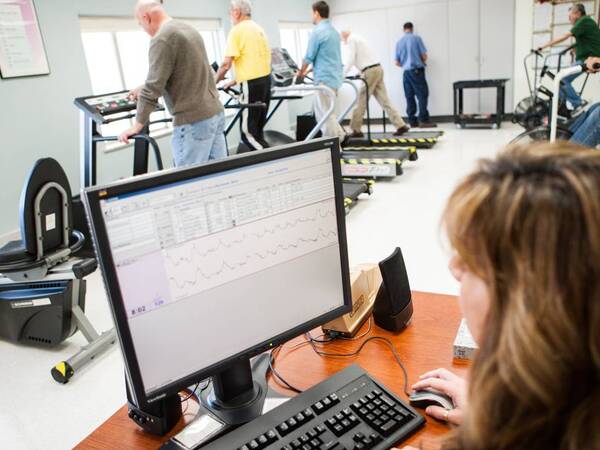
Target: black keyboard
348, 411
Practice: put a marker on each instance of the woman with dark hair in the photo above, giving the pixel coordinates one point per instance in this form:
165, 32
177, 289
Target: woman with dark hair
525, 228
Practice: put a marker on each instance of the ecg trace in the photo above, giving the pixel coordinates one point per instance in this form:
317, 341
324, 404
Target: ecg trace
213, 260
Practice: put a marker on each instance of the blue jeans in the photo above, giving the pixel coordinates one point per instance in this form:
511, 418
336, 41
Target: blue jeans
415, 85
586, 129
568, 91
199, 142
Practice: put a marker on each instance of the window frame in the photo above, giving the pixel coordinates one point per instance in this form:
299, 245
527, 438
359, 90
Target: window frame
297, 28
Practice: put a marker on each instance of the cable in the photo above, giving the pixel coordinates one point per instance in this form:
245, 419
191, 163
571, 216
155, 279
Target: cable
276, 374
357, 352
192, 393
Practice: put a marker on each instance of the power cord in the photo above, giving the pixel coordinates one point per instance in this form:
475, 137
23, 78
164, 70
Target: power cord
276, 374
329, 338
388, 342
204, 384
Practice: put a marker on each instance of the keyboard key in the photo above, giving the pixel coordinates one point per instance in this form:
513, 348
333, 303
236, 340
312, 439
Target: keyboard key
253, 445
331, 445
388, 427
283, 429
271, 435
315, 443
377, 392
388, 401
334, 398
308, 413
338, 430
359, 437
318, 408
291, 422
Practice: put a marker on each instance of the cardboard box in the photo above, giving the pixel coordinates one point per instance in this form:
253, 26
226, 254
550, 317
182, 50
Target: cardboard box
365, 280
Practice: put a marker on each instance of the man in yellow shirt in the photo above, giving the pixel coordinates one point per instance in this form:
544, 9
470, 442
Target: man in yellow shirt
249, 52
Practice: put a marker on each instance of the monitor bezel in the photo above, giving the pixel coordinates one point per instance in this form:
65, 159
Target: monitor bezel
92, 197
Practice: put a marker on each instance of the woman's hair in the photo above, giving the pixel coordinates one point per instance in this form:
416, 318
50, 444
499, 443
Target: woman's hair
528, 223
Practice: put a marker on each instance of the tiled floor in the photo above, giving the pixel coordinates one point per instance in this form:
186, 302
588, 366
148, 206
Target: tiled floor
37, 413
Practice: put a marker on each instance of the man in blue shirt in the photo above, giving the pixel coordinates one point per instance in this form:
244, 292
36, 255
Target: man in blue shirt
411, 55
325, 54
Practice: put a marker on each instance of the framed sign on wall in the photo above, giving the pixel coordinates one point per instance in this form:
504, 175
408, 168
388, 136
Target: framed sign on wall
22, 52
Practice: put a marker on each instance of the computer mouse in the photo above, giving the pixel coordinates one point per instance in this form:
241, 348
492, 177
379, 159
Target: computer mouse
430, 397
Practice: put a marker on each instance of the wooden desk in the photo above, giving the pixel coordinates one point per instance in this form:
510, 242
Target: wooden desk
426, 344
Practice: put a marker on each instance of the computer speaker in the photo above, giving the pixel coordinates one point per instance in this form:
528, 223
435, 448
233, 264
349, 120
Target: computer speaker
393, 306
156, 418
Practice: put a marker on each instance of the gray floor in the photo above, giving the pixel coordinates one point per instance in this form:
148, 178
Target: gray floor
38, 413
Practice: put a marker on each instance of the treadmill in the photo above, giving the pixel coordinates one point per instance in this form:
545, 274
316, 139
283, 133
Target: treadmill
284, 69
353, 188
418, 139
378, 164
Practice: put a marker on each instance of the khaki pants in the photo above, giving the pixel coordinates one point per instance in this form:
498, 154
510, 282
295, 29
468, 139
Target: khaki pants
331, 128
374, 78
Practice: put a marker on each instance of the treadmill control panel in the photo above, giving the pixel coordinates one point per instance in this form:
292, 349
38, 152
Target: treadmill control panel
283, 67
98, 107
112, 103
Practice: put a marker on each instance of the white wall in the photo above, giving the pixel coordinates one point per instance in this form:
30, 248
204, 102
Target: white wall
451, 30
38, 117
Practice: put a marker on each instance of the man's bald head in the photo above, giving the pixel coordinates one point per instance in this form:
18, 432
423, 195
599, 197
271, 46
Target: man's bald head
150, 14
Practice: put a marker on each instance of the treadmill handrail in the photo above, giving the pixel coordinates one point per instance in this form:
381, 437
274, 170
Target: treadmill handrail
352, 104
151, 141
313, 88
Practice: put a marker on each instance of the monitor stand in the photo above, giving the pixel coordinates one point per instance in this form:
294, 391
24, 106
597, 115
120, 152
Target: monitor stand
238, 394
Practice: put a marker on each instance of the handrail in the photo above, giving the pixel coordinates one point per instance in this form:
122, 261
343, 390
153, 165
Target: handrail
151, 141
313, 88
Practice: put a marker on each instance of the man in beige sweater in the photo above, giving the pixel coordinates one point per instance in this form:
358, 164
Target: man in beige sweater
181, 73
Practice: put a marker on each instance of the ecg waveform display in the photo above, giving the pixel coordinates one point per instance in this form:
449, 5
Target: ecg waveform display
213, 260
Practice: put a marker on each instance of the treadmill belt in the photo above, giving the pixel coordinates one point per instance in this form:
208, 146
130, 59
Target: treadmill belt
420, 139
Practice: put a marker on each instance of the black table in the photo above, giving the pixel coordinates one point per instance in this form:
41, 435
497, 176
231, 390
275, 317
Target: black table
491, 119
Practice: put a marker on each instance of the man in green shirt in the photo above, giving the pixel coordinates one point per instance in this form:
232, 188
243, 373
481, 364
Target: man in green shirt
587, 43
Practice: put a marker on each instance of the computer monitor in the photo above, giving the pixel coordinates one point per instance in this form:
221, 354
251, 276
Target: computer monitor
208, 266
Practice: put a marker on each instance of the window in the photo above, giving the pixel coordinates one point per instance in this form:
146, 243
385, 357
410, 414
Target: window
294, 38
116, 52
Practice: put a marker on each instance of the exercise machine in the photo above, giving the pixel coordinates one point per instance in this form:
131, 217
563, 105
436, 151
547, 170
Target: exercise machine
353, 188
555, 130
373, 161
42, 285
418, 139
98, 110
534, 111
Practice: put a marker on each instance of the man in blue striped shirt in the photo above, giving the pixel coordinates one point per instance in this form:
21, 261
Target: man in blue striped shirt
325, 54
411, 55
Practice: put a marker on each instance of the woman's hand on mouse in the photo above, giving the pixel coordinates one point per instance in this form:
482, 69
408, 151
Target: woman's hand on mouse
450, 384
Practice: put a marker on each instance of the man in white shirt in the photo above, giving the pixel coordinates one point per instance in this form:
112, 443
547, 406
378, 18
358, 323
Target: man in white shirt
359, 55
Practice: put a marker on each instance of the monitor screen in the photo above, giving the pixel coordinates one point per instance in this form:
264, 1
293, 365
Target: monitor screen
214, 265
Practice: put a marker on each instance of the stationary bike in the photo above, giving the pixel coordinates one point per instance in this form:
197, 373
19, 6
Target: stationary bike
555, 129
